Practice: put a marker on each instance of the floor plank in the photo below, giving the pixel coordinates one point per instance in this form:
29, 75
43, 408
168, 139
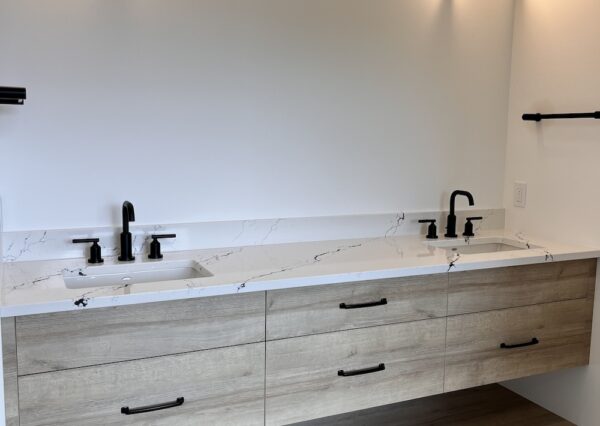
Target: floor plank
486, 405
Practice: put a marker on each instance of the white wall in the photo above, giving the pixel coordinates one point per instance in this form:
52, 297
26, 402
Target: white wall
556, 68
201, 110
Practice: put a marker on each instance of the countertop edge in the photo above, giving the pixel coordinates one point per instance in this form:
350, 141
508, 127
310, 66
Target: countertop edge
288, 283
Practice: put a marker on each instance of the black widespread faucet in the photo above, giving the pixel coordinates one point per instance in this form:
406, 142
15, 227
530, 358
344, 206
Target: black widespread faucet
451, 226
126, 246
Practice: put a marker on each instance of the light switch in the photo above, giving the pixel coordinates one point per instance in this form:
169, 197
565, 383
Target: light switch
520, 194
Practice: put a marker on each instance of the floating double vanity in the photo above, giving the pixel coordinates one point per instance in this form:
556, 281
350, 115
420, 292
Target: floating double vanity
277, 334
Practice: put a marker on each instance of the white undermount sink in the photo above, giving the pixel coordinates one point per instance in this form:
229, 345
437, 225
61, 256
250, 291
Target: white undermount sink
481, 245
135, 273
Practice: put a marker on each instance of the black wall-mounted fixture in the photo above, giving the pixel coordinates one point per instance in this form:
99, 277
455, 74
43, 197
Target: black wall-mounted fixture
540, 117
12, 95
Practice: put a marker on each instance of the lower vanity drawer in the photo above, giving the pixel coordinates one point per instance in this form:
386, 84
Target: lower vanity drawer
218, 387
501, 345
321, 375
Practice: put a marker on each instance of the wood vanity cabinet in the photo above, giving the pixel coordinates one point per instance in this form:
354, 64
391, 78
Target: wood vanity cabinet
521, 321
297, 354
491, 318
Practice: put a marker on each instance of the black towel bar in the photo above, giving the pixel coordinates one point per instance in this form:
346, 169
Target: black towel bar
12, 95
540, 117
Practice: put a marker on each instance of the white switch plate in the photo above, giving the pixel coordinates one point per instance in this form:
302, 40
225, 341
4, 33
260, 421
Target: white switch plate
520, 194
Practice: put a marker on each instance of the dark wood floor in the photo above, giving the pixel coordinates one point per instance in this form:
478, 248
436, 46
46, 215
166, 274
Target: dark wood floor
484, 406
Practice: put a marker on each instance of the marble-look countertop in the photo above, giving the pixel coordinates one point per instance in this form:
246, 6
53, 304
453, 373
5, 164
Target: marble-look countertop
35, 287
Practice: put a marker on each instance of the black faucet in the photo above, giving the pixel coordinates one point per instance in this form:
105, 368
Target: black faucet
451, 226
126, 249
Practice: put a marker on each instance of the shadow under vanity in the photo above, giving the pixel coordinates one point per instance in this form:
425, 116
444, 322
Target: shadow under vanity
291, 355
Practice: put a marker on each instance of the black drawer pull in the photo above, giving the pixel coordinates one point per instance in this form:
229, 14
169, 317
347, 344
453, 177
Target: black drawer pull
343, 373
155, 407
534, 341
364, 305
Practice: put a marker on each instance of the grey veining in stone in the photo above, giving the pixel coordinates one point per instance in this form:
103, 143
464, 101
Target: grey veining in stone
56, 244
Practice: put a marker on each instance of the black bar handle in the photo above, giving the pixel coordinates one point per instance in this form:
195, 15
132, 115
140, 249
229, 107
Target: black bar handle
533, 341
158, 236
363, 305
86, 240
147, 408
427, 220
369, 370
475, 218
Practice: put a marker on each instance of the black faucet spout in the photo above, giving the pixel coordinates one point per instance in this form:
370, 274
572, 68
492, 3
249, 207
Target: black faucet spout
460, 192
126, 241
128, 215
451, 224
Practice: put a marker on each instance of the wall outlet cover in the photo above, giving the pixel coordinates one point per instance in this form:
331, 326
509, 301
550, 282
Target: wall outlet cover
520, 194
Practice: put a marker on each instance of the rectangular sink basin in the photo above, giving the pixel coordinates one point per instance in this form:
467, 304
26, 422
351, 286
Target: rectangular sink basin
481, 245
135, 273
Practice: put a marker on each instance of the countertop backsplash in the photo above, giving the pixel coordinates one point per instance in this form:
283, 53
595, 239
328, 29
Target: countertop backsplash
56, 243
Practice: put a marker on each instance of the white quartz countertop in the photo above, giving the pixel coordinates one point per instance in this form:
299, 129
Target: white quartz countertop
38, 287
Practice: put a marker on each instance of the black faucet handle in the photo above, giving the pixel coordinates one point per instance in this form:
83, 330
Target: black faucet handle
469, 226
159, 236
155, 245
95, 249
86, 240
431, 229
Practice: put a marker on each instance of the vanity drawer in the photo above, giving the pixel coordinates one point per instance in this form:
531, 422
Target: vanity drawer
218, 387
316, 376
312, 310
488, 289
64, 340
538, 339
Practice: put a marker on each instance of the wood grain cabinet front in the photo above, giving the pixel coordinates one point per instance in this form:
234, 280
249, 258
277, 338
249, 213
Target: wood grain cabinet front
312, 310
500, 288
494, 346
212, 387
311, 352
9, 361
316, 376
58, 341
